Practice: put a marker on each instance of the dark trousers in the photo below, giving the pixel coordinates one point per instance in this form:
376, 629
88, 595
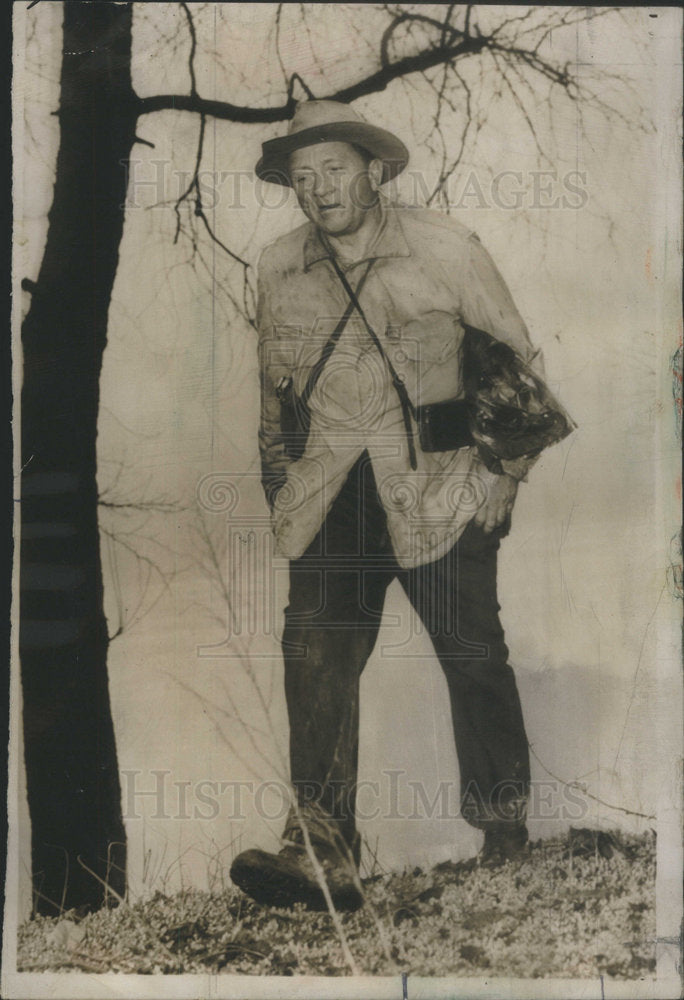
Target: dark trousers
337, 591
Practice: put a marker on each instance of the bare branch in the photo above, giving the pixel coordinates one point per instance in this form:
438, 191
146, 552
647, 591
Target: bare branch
521, 107
279, 11
223, 110
447, 171
148, 566
296, 78
193, 189
371, 84
193, 48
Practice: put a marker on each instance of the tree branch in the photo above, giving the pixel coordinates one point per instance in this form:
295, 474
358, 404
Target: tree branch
193, 48
193, 189
222, 110
371, 84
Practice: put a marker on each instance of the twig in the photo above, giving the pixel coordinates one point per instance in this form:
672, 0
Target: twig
320, 878
193, 188
582, 788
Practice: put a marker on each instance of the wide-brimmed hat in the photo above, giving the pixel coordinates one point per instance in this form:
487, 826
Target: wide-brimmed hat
330, 121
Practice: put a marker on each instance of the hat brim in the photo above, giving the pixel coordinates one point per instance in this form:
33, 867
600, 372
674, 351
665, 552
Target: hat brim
383, 145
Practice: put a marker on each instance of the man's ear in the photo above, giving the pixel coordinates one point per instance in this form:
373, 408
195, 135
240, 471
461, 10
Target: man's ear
375, 172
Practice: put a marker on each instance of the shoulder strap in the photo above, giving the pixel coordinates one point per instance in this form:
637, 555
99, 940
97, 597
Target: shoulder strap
331, 343
407, 407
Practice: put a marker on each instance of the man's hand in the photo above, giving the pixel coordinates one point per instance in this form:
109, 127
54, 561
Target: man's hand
501, 495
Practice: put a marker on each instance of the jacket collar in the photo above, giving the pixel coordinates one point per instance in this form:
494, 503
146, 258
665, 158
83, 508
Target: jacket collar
389, 240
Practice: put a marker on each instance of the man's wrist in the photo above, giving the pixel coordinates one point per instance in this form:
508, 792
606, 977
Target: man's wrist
518, 468
489, 461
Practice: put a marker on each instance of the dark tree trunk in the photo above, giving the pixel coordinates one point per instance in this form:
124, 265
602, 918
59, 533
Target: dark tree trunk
71, 764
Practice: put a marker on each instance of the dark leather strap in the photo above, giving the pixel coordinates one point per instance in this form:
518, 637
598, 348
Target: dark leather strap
331, 343
406, 406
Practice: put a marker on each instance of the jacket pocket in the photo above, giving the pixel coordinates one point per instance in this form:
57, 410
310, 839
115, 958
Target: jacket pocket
432, 338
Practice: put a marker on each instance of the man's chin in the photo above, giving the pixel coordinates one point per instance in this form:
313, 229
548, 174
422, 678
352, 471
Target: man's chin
333, 223
334, 230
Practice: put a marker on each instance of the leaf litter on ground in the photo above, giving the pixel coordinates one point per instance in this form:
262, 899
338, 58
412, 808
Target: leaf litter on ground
578, 906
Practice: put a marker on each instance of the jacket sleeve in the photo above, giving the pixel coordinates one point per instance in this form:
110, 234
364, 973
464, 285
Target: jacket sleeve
274, 461
487, 304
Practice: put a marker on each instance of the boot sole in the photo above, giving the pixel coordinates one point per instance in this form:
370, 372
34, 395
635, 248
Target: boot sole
265, 883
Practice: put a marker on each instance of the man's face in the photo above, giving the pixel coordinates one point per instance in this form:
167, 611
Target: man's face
333, 185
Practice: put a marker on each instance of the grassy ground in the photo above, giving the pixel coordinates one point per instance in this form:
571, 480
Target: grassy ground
577, 907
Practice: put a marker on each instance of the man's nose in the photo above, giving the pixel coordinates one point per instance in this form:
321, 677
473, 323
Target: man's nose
323, 185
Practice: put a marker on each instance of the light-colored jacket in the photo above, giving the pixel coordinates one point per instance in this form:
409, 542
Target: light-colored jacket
431, 275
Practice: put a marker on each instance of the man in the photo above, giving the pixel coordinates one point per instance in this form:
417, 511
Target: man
362, 317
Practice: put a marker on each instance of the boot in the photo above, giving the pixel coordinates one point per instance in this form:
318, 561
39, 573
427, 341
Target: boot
289, 877
504, 843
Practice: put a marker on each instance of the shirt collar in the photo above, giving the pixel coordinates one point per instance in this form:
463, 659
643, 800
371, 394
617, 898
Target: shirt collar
389, 240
